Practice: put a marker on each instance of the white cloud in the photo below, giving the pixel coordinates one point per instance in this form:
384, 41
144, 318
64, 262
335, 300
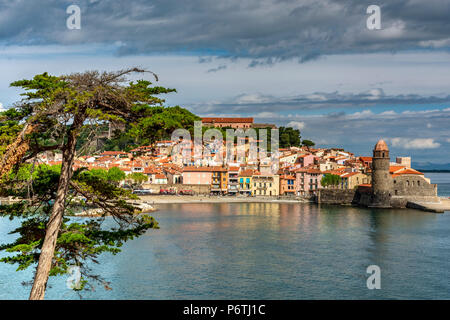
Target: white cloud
266, 115
252, 98
420, 143
388, 113
361, 114
296, 125
1, 107
448, 140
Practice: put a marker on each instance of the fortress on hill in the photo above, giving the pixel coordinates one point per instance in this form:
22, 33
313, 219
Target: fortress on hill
391, 187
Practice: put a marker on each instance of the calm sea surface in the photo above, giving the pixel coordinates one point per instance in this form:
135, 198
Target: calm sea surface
270, 251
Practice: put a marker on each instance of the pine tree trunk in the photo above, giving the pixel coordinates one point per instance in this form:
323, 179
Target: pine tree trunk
56, 217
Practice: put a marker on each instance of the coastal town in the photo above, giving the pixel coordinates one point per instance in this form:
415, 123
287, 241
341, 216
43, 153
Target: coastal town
301, 173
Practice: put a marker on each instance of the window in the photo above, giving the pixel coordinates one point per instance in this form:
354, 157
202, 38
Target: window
418, 182
396, 192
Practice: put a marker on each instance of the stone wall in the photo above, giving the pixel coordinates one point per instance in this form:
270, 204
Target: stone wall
413, 186
336, 196
406, 189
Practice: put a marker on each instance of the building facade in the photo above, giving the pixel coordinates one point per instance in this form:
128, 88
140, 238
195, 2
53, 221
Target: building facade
287, 185
265, 185
235, 123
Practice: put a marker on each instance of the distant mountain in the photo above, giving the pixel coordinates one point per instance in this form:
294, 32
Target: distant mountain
425, 166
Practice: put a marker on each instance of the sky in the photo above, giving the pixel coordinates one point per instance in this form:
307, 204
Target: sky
313, 65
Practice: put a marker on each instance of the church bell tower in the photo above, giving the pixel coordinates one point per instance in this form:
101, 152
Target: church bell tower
381, 179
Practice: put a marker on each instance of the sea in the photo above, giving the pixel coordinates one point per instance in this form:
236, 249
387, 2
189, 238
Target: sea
268, 251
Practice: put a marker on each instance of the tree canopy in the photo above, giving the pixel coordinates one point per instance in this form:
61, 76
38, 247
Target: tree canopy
330, 180
156, 123
289, 137
51, 115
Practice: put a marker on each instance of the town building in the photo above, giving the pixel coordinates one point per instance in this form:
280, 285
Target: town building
351, 180
197, 175
219, 180
160, 179
404, 161
287, 185
265, 185
306, 160
233, 180
245, 182
307, 181
235, 123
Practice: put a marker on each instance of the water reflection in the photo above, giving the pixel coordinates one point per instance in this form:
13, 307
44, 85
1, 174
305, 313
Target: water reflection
274, 251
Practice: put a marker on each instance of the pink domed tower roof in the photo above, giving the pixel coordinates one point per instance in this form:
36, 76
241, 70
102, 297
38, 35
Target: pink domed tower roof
381, 146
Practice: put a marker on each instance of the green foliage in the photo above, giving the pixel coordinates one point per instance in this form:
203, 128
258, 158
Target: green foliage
59, 110
137, 178
155, 124
330, 180
308, 143
115, 175
99, 173
80, 240
289, 137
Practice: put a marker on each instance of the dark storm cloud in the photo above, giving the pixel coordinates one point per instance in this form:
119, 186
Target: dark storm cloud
221, 67
266, 31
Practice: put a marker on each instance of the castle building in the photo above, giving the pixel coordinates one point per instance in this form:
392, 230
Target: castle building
395, 186
235, 123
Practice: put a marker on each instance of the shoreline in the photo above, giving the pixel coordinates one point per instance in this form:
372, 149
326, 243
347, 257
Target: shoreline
168, 199
154, 200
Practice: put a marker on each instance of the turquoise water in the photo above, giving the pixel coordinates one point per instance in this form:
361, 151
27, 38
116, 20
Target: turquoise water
443, 182
270, 251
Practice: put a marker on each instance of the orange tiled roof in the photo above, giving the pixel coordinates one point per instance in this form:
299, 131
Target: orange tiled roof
113, 153
407, 171
394, 169
247, 173
350, 174
203, 169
